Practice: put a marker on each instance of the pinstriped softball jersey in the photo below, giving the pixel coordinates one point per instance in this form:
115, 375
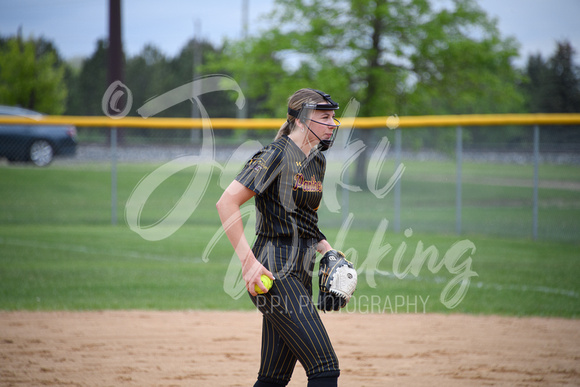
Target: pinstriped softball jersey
288, 187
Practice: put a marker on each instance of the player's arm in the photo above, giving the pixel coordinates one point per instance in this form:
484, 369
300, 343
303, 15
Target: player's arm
228, 207
323, 246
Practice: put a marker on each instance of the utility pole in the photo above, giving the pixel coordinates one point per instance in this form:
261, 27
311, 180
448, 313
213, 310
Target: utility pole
115, 73
243, 112
197, 60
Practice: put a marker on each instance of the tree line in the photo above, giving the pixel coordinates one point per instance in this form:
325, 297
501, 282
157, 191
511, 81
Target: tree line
404, 58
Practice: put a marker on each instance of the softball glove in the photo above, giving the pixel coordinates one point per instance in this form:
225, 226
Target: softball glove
337, 281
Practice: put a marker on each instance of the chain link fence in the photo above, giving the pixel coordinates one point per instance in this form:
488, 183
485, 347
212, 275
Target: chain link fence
455, 190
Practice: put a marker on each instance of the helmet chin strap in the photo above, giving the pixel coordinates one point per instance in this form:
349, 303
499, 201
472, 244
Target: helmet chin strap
322, 144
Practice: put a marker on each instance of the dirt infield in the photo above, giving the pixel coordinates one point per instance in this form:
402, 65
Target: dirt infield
142, 348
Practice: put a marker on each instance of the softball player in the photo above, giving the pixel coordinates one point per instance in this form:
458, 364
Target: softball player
285, 178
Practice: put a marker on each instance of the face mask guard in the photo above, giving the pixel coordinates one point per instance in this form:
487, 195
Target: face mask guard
307, 108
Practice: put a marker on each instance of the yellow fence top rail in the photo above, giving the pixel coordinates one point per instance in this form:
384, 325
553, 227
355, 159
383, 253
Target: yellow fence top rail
267, 123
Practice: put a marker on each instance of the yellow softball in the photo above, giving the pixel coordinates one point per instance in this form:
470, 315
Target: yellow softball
267, 283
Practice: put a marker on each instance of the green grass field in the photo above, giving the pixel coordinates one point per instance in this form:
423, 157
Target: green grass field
58, 250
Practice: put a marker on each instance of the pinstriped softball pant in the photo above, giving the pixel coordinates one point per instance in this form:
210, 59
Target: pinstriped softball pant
292, 329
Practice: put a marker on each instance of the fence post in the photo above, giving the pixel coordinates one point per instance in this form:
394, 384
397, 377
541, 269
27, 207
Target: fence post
113, 175
345, 196
536, 182
397, 214
459, 160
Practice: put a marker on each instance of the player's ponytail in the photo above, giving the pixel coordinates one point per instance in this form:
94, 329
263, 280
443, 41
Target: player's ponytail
285, 129
295, 102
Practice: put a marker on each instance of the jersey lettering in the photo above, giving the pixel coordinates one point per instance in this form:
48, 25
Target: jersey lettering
306, 185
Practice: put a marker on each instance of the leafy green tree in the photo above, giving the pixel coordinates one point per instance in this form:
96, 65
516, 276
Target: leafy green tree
538, 83
253, 62
553, 86
32, 75
146, 75
184, 68
395, 57
88, 87
564, 76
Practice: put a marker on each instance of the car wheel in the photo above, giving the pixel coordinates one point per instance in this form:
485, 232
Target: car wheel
41, 153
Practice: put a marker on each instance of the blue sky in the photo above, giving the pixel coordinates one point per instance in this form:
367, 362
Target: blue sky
75, 25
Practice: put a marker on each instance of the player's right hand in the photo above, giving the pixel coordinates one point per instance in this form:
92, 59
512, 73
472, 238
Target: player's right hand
252, 270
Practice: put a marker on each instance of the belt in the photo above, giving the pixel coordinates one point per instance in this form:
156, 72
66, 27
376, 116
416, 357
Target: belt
289, 240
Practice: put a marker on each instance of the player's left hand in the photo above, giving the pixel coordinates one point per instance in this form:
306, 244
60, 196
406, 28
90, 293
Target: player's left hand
323, 246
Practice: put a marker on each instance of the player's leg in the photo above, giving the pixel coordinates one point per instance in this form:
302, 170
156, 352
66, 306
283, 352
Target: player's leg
323, 382
289, 309
277, 361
